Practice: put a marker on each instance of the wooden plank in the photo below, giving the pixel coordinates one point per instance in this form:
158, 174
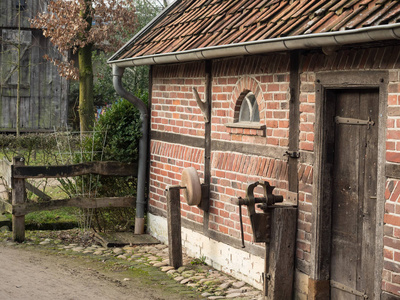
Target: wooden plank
294, 117
5, 171
346, 236
280, 254
5, 207
226, 146
121, 239
18, 198
392, 170
100, 168
25, 208
368, 203
174, 227
205, 202
37, 192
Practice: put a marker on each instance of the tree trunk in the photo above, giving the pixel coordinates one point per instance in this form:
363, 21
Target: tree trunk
86, 106
18, 108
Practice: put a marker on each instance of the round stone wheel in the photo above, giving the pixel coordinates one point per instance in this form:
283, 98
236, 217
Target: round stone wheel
190, 180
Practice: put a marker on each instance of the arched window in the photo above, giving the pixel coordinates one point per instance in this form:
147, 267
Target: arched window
249, 109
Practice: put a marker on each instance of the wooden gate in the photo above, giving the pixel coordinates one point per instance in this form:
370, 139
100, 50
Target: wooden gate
353, 146
16, 173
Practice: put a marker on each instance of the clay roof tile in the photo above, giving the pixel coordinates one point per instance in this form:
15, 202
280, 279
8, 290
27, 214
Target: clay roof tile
193, 24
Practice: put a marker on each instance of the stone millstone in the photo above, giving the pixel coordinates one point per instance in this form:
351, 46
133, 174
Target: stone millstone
190, 180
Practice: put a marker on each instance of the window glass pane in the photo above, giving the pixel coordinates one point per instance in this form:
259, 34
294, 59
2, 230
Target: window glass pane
249, 109
256, 113
244, 115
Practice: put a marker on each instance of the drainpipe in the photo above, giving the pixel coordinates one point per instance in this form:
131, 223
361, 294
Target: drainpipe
141, 182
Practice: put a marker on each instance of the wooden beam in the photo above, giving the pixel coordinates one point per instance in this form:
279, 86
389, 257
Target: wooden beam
294, 117
37, 192
18, 198
5, 171
392, 170
205, 202
174, 227
280, 254
100, 168
5, 206
25, 208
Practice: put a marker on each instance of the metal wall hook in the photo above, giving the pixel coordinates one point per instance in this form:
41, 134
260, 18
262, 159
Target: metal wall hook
292, 154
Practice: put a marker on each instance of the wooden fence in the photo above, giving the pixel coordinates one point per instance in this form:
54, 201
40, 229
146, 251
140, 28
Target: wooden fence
16, 173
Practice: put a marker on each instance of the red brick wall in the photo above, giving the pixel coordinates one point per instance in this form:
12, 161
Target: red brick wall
231, 174
391, 251
174, 110
174, 107
267, 77
167, 162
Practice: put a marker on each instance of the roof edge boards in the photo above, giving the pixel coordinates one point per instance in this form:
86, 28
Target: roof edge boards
337, 38
146, 28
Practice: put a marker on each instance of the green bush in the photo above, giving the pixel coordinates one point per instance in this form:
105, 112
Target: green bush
116, 138
35, 148
121, 124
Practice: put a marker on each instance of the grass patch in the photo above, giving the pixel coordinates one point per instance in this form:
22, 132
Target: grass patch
63, 215
62, 218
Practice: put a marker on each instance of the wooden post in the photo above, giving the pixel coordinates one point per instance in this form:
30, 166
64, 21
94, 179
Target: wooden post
174, 226
18, 197
279, 260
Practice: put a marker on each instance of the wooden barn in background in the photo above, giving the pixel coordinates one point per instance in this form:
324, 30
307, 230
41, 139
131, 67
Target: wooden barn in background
44, 101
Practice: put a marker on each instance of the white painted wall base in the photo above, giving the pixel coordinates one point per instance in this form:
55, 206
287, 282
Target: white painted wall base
300, 285
232, 261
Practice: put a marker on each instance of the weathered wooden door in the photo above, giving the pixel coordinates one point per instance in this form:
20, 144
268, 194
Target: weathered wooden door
354, 193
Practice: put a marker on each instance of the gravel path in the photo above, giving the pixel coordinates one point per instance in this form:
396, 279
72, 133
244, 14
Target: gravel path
70, 265
29, 275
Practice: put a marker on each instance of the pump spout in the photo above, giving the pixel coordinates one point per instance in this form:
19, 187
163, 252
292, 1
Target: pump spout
142, 164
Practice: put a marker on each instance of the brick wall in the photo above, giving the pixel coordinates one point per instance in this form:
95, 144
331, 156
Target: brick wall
231, 174
391, 251
305, 171
267, 77
173, 107
175, 111
167, 163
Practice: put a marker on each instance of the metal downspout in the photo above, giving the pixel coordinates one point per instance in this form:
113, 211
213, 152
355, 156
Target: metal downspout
141, 183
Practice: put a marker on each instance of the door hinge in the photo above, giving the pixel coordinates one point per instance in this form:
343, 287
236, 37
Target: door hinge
351, 121
344, 288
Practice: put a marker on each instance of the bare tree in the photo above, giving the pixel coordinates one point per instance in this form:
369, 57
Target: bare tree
81, 26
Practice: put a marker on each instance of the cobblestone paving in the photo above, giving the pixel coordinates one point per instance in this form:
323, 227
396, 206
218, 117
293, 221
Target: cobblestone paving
211, 283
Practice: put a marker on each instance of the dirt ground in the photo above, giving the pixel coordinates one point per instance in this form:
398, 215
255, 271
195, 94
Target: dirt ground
29, 274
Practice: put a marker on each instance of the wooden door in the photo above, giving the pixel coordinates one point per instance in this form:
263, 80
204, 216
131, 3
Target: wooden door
354, 194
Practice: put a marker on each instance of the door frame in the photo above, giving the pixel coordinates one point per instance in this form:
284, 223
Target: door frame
321, 209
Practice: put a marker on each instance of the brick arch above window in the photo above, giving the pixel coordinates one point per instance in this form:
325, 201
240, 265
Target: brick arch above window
244, 86
250, 87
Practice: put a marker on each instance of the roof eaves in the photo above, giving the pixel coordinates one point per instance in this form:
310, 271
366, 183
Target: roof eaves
145, 29
367, 34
